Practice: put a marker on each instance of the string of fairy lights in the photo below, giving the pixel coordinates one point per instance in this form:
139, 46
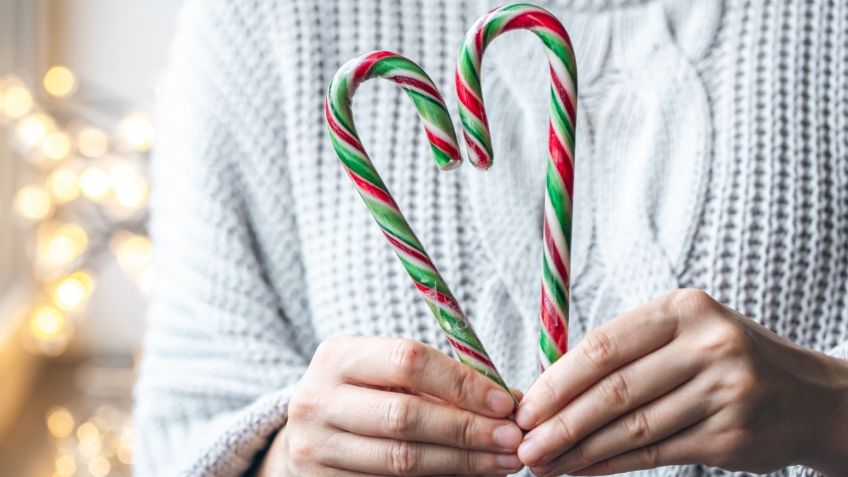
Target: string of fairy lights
82, 195
84, 192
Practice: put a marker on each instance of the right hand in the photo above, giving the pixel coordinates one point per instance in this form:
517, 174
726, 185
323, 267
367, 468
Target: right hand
347, 418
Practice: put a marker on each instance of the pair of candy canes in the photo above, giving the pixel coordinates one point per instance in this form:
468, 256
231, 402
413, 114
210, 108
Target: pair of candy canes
440, 133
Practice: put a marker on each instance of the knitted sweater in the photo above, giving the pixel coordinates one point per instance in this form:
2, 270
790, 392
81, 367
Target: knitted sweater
712, 152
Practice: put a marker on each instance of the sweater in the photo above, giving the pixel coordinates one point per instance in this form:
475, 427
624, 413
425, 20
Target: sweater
712, 152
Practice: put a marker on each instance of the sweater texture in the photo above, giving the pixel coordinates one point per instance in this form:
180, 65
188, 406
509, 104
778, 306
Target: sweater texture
712, 152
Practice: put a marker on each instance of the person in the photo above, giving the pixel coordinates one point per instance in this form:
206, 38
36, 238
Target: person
708, 317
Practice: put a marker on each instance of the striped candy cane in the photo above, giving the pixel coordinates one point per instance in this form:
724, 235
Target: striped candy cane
560, 164
372, 189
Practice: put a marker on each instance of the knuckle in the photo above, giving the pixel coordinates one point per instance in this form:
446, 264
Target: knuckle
549, 389
300, 408
403, 458
725, 340
467, 430
690, 302
599, 349
398, 417
616, 391
638, 427
406, 359
650, 456
462, 383
563, 429
300, 452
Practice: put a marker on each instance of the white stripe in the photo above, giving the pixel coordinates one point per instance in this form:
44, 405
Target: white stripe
556, 232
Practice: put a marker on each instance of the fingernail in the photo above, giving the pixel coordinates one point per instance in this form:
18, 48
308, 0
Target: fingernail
507, 437
526, 416
500, 402
530, 451
508, 462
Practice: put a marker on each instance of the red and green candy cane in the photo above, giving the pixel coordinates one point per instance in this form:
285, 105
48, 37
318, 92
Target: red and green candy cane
443, 144
560, 164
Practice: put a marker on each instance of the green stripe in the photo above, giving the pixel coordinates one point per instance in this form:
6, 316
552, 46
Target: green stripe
390, 64
560, 118
560, 202
548, 347
340, 103
554, 286
354, 161
476, 129
469, 70
561, 50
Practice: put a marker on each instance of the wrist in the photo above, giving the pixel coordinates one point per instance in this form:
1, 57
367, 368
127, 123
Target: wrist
829, 453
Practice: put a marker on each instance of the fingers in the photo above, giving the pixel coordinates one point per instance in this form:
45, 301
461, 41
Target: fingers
377, 413
601, 352
621, 391
413, 365
640, 428
680, 449
373, 455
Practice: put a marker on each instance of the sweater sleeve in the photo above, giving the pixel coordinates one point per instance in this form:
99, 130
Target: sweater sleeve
221, 356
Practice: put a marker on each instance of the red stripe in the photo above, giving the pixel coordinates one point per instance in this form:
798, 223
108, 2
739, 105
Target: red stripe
484, 161
438, 296
416, 83
470, 100
445, 146
408, 250
558, 331
563, 94
340, 131
537, 19
362, 69
561, 161
555, 255
465, 349
371, 189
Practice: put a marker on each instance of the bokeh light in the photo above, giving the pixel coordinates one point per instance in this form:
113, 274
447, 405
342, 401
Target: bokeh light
63, 184
92, 142
15, 98
57, 145
71, 293
60, 422
137, 130
34, 128
95, 184
59, 81
32, 202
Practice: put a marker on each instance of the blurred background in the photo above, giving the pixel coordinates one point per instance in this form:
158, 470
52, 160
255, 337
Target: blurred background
78, 80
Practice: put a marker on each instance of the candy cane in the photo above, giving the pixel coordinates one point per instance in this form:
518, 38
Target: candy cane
560, 165
439, 128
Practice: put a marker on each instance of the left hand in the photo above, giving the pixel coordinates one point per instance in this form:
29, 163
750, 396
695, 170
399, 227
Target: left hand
685, 380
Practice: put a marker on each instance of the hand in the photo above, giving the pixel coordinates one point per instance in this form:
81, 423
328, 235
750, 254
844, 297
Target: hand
684, 380
382, 406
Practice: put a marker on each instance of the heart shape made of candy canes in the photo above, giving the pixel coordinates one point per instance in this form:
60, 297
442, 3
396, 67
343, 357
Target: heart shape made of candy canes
443, 142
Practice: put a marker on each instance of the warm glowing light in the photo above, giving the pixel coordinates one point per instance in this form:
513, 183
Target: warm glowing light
145, 278
66, 466
99, 466
95, 183
130, 187
34, 128
59, 245
134, 252
47, 322
137, 129
92, 142
63, 184
59, 81
88, 432
60, 422
72, 291
125, 454
57, 145
16, 101
33, 203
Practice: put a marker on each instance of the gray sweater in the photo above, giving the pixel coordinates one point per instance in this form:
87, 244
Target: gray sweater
712, 152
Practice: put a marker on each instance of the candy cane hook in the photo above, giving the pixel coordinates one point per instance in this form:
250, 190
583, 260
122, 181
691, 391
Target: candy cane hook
560, 165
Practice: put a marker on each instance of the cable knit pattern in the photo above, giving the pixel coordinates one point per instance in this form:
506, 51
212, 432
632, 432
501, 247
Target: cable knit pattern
711, 152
